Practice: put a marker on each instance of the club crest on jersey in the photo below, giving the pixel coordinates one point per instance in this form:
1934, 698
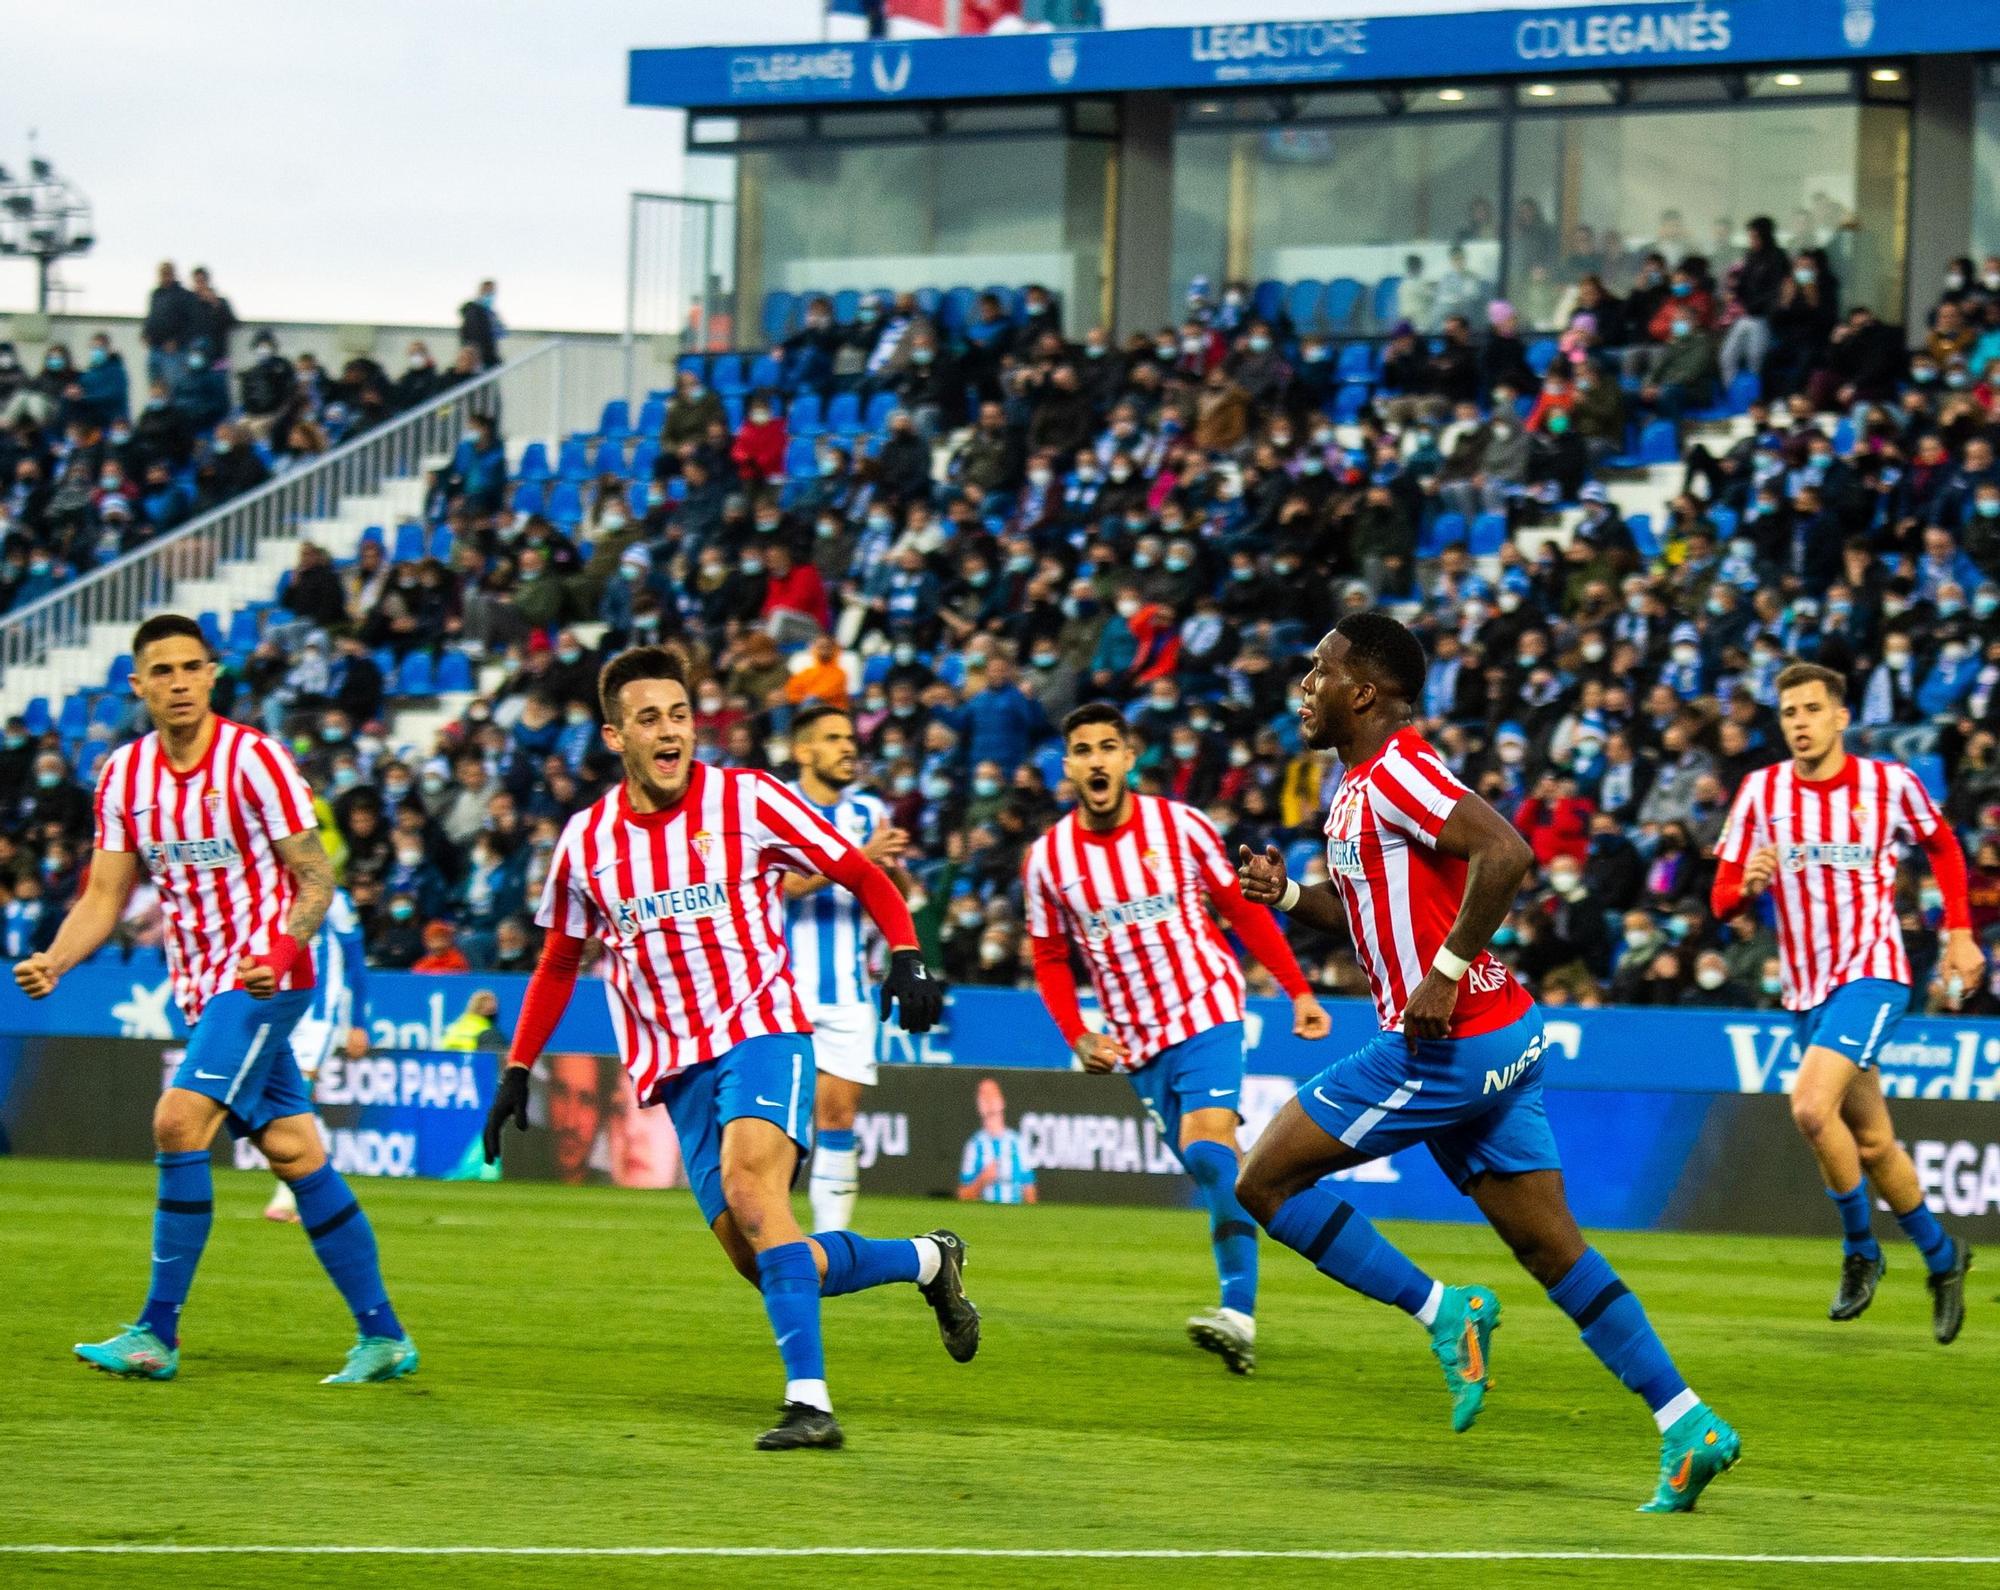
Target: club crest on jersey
704, 845
690, 901
1156, 864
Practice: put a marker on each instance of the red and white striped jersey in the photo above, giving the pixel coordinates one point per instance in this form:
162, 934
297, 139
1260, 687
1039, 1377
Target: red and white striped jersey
1133, 899
1839, 842
690, 904
207, 837
1401, 892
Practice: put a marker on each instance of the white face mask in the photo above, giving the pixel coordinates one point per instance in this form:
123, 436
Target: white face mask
1711, 978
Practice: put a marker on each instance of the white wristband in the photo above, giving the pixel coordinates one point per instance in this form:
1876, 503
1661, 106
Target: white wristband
1453, 966
1290, 897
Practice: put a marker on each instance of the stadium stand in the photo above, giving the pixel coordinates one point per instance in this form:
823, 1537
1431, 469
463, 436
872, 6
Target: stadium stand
945, 511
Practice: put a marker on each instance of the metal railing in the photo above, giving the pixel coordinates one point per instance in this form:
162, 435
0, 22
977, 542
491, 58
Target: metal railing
527, 394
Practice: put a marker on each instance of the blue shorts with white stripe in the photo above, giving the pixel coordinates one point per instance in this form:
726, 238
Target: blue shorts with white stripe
769, 1078
1475, 1103
1855, 1020
240, 1055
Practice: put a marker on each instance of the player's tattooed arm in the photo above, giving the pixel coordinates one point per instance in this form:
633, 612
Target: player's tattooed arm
305, 858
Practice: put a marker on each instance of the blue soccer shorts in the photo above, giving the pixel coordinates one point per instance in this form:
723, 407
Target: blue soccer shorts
1204, 1072
1475, 1103
1855, 1020
240, 1055
768, 1079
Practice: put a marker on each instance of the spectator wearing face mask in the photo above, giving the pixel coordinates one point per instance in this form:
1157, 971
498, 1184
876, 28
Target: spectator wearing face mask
1759, 280
1711, 987
396, 939
200, 392
268, 388
105, 389
759, 447
480, 327
1890, 697
168, 326
691, 411
420, 380
1802, 324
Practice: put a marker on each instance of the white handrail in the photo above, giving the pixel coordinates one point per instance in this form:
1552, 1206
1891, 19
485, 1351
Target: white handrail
526, 392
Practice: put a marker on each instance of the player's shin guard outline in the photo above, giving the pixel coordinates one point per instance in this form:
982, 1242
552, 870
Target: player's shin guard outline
1231, 1230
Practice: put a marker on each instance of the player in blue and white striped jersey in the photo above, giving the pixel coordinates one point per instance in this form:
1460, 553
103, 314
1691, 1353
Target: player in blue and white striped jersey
994, 1168
829, 936
337, 1015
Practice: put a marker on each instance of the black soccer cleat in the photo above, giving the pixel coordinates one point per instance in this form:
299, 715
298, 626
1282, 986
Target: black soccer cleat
1948, 1295
958, 1320
1859, 1276
801, 1425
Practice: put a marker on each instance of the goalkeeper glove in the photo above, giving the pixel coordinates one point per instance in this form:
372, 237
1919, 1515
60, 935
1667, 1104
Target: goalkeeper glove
917, 996
511, 1099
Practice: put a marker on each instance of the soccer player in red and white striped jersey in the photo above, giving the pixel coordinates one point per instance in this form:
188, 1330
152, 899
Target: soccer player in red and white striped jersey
1824, 833
680, 872
1127, 879
224, 826
1422, 872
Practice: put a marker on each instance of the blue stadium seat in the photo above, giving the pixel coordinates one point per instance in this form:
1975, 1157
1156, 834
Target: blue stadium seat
615, 423
652, 417
108, 711
454, 672
36, 716
609, 459
1300, 854
800, 458
535, 462
1267, 301
732, 410
846, 306
119, 675
566, 505
644, 457
635, 498
956, 309
1524, 405
573, 463
374, 533
528, 497
91, 760
1659, 443
843, 414
74, 717
927, 300
880, 407
692, 363
780, 313
1343, 299
766, 373
409, 547
1541, 354
1746, 389
413, 678
1049, 763
726, 375
442, 545
1303, 301
244, 630
1929, 768
1489, 534
1725, 520
876, 668
951, 668
1356, 363
385, 663
1446, 530
211, 630
1382, 305
1010, 300
1641, 527
1352, 399
1843, 437
806, 415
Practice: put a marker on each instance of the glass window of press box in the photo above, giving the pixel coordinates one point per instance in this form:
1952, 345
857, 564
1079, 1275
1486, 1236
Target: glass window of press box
1378, 206
908, 198
1986, 164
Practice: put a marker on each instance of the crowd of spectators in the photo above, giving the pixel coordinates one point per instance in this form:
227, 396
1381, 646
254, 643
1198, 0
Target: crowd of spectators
91, 468
1170, 521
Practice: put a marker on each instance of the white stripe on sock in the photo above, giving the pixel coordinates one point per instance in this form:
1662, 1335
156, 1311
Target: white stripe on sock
811, 1392
1668, 1413
1427, 1315
928, 1259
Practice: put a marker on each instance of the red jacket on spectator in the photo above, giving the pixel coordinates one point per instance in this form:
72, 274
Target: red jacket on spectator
1698, 306
1551, 403
1560, 827
801, 591
1159, 640
760, 450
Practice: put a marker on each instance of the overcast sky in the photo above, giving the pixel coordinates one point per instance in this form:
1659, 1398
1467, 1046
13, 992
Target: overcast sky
370, 160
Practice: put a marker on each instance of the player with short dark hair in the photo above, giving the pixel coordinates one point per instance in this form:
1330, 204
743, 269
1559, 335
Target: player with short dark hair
1824, 833
224, 826
828, 938
1126, 878
1422, 872
679, 870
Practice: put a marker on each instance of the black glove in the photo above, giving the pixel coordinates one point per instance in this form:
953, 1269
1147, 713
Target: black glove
510, 1099
917, 996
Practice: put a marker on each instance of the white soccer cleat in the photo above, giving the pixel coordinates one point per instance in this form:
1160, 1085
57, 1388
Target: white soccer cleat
1230, 1335
283, 1206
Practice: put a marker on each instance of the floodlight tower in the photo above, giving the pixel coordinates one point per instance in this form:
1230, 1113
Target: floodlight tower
43, 217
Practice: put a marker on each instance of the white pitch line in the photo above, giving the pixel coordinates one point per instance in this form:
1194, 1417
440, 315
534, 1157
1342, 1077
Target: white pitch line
1083, 1553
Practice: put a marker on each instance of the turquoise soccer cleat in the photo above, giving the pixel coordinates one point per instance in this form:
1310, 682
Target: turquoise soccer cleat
1460, 1336
1693, 1451
375, 1358
135, 1353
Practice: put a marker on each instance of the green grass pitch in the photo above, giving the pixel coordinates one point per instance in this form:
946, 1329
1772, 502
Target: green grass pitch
593, 1375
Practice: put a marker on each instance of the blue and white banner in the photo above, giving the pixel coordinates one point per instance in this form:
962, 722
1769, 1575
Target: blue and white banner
1661, 1051
1360, 49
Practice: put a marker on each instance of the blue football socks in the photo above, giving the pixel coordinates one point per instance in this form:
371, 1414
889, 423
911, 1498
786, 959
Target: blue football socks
1922, 1228
345, 1245
1234, 1233
789, 1280
1856, 1234
181, 1222
854, 1264
1615, 1327
1338, 1241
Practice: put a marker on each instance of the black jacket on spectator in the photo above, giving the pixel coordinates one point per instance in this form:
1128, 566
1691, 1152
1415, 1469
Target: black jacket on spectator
164, 434
1760, 278
1871, 359
476, 330
268, 386
169, 319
